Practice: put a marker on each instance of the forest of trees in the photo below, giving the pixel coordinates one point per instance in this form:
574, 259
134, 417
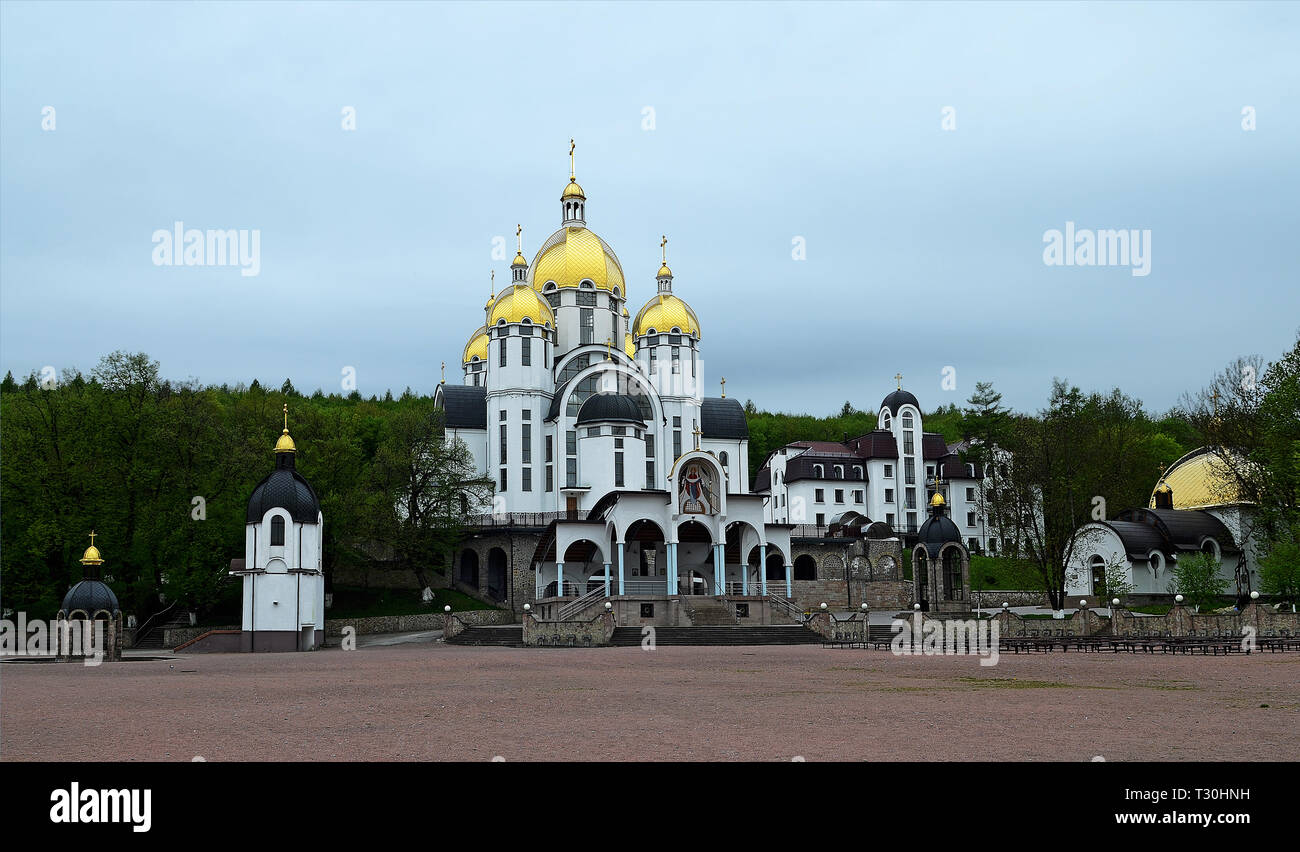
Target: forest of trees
162, 470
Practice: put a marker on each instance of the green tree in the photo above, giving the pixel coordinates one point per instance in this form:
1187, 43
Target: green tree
1196, 578
1279, 571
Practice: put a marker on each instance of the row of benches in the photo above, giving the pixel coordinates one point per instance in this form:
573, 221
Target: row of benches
1107, 644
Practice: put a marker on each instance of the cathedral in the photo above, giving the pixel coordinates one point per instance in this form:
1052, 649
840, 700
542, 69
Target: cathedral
592, 424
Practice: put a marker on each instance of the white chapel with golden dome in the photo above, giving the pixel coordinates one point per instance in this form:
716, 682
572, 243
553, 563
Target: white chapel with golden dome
591, 421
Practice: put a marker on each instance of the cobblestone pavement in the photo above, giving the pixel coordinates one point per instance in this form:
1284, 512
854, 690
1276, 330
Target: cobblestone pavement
439, 702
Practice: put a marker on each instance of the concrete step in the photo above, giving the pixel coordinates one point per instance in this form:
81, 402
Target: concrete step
712, 635
506, 635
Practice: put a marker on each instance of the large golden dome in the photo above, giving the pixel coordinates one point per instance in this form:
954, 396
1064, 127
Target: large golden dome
575, 254
629, 345
663, 313
478, 345
1198, 480
519, 302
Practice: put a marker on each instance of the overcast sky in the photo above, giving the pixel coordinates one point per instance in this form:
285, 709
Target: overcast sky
771, 122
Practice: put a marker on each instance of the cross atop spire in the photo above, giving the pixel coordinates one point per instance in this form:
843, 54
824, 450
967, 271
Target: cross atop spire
444, 373
724, 387
697, 433
92, 537
286, 418
898, 377
663, 248
573, 175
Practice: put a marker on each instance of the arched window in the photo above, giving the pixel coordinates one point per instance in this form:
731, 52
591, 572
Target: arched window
819, 472
277, 531
805, 568
907, 420
857, 471
886, 421
839, 471
1211, 547
1097, 568
723, 458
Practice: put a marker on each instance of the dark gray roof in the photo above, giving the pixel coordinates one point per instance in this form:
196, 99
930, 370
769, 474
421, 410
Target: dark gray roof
602, 407
937, 531
1182, 528
1139, 539
553, 411
952, 467
723, 418
284, 488
466, 406
899, 398
90, 595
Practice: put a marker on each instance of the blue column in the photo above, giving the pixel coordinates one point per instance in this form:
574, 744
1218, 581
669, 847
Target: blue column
620, 569
744, 576
559, 579
762, 567
606, 579
720, 568
672, 567
789, 585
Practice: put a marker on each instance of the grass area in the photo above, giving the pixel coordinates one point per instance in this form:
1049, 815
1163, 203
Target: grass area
997, 572
356, 602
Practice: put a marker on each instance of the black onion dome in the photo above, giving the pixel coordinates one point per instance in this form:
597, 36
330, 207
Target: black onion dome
937, 531
610, 406
91, 596
284, 488
898, 399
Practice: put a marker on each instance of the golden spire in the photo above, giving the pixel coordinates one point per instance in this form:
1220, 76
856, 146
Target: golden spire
444, 373
899, 378
519, 247
724, 387
285, 444
91, 556
697, 433
607, 349
573, 175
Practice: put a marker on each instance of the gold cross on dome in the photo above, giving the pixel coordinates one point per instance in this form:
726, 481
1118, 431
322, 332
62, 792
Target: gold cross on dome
608, 344
724, 387
663, 249
1216, 401
444, 373
899, 378
572, 174
697, 433
92, 537
286, 417
519, 238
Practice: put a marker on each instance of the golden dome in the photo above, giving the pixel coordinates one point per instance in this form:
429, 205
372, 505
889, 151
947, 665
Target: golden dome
573, 190
478, 345
519, 259
285, 444
1198, 480
625, 313
663, 313
629, 345
664, 272
573, 255
937, 500
520, 302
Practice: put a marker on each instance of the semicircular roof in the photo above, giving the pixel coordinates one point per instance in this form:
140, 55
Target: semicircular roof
1198, 480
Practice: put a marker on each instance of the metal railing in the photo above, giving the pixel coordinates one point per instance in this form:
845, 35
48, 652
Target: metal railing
786, 606
572, 608
521, 519
569, 590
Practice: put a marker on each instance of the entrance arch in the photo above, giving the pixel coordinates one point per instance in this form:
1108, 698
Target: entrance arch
497, 575
467, 571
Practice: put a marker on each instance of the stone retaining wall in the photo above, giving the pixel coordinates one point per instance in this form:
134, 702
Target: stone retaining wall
592, 633
855, 628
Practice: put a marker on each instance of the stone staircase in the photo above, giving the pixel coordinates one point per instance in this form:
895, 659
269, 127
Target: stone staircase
774, 634
504, 635
153, 640
709, 612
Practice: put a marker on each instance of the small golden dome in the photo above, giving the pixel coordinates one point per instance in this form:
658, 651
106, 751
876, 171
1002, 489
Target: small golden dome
625, 313
285, 444
520, 302
629, 345
664, 272
663, 313
519, 260
91, 556
477, 346
937, 500
573, 255
573, 190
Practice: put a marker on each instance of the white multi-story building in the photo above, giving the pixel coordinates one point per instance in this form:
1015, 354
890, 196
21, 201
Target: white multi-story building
886, 476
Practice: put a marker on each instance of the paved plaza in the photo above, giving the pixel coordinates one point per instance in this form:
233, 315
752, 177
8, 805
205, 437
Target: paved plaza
426, 701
